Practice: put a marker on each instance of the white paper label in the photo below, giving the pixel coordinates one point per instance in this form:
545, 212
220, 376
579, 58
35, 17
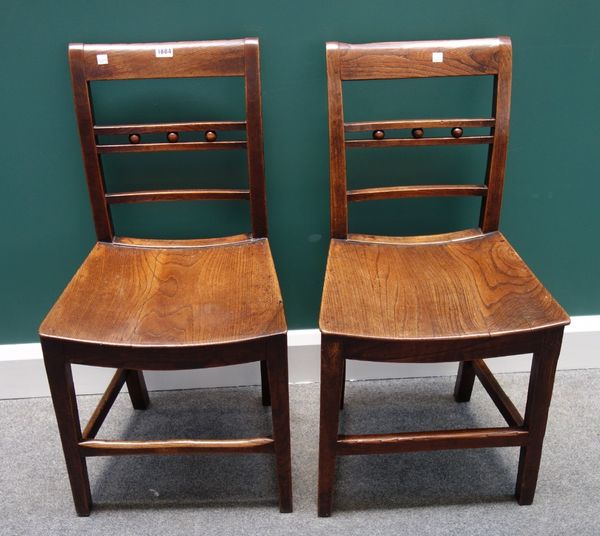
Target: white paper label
437, 57
102, 59
164, 52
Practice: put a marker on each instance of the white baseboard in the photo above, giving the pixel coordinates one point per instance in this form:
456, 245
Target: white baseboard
22, 372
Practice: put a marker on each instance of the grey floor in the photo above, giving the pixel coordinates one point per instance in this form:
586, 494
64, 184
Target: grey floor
442, 493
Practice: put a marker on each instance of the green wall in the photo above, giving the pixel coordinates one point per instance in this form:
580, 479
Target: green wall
552, 188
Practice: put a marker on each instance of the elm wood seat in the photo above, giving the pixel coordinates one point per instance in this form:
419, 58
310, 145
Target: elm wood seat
460, 296
154, 297
447, 290
145, 304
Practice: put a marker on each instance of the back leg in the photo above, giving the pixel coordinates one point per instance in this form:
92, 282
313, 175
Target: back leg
136, 385
464, 381
264, 382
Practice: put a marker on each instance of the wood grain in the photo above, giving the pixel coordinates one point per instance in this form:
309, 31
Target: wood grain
417, 239
256, 161
403, 192
365, 126
441, 350
465, 381
106, 402
190, 59
539, 396
277, 376
499, 397
332, 373
162, 147
62, 389
92, 163
182, 243
413, 59
144, 196
496, 165
147, 128
153, 297
415, 142
337, 152
457, 296
475, 287
97, 447
137, 390
150, 304
239, 57
436, 440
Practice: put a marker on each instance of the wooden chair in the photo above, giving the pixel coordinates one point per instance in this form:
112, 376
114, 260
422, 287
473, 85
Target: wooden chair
461, 296
142, 304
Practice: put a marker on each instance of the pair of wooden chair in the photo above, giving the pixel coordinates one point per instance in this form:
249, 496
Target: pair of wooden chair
162, 305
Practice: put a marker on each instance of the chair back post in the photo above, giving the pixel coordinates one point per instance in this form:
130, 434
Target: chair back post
337, 149
256, 161
91, 159
496, 165
419, 59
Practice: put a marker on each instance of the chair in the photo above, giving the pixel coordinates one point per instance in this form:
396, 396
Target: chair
148, 304
461, 296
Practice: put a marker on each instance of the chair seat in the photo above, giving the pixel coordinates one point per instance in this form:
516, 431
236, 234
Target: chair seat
476, 286
152, 296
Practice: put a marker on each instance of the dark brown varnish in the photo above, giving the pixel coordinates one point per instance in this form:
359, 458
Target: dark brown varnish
144, 304
459, 296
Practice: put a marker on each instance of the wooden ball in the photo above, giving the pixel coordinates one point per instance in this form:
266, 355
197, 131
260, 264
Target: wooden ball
378, 134
210, 135
134, 138
457, 132
172, 137
418, 132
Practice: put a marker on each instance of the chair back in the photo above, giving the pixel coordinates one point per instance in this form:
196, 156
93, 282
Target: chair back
196, 59
419, 59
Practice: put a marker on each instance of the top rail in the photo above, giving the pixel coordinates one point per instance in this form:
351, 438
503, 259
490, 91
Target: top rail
163, 60
421, 59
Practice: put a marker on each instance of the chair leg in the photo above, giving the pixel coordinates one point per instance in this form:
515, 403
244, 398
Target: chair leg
343, 394
464, 381
60, 380
264, 383
277, 366
136, 385
332, 368
541, 382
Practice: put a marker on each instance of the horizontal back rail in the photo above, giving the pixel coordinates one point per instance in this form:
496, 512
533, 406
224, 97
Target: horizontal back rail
144, 196
198, 126
363, 126
166, 146
419, 59
164, 60
408, 142
404, 192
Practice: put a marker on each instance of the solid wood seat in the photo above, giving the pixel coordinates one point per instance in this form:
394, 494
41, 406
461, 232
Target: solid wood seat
463, 296
449, 289
140, 304
148, 296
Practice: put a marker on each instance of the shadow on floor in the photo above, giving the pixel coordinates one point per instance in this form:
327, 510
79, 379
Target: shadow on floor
192, 480
420, 478
363, 482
